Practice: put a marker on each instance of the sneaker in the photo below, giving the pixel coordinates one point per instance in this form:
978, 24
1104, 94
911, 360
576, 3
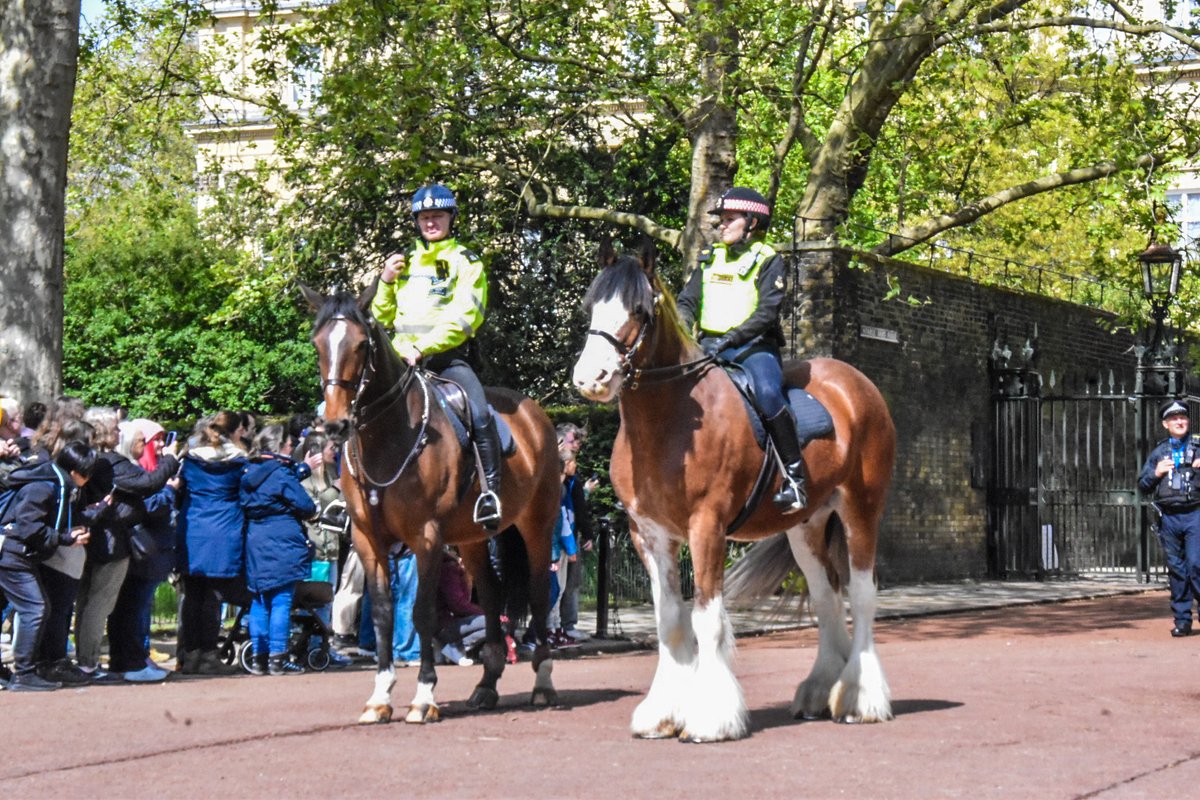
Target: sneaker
577, 635
66, 673
101, 677
279, 665
338, 661
32, 682
146, 675
5, 676
158, 656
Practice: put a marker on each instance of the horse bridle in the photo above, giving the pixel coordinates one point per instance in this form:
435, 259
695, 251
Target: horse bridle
635, 376
362, 415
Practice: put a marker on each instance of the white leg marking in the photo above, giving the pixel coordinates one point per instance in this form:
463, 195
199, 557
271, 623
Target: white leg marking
861, 693
716, 710
423, 695
833, 644
543, 681
660, 714
384, 681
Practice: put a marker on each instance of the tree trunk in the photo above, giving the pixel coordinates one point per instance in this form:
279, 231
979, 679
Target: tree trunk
39, 48
712, 127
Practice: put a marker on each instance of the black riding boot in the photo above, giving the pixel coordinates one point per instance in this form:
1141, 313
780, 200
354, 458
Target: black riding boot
487, 507
782, 429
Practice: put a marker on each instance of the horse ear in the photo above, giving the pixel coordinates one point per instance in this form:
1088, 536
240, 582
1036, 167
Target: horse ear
368, 295
606, 255
315, 299
648, 255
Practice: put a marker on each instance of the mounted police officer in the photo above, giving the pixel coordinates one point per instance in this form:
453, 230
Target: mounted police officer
736, 292
435, 296
1172, 474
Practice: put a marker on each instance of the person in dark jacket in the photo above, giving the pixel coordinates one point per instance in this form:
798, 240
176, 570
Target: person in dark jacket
211, 542
129, 620
1172, 475
108, 548
461, 624
41, 516
277, 549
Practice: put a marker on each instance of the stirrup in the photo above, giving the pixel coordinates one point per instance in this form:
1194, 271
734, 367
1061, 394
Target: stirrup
791, 497
487, 510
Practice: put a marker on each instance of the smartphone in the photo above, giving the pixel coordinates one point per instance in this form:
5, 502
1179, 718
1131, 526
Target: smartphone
169, 439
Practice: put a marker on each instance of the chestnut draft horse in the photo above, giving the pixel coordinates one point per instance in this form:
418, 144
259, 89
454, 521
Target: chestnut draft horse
684, 463
407, 479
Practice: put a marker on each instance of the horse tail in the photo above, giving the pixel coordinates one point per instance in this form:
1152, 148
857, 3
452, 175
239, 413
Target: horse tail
837, 568
510, 563
761, 571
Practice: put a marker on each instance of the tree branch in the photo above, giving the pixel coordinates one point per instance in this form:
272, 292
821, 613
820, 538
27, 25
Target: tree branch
548, 208
913, 235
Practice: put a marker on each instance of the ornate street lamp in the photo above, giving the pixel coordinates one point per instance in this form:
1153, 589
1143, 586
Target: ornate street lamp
1159, 372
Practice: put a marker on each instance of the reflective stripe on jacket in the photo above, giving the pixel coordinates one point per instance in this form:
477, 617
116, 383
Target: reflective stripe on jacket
730, 290
438, 301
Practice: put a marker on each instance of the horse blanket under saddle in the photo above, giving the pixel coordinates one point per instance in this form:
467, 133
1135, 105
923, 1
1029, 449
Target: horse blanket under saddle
812, 419
453, 400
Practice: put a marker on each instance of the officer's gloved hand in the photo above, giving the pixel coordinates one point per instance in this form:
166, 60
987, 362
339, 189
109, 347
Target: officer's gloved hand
714, 345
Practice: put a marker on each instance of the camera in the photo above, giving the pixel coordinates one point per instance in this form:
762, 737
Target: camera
169, 439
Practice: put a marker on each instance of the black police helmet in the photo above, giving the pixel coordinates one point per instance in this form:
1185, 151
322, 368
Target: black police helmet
745, 201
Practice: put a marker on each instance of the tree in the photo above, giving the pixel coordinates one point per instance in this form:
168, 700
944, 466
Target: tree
515, 90
38, 53
154, 319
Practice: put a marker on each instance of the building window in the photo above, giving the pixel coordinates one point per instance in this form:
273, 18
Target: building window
1185, 210
305, 88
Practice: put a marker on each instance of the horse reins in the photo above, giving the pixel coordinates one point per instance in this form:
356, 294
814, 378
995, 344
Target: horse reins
637, 375
362, 415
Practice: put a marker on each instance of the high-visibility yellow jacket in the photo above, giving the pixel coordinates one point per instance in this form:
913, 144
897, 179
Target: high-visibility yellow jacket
736, 292
438, 302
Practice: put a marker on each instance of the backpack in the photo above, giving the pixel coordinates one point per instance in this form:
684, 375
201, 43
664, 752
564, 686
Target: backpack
22, 477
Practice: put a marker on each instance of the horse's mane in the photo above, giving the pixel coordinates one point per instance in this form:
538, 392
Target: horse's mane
626, 278
341, 304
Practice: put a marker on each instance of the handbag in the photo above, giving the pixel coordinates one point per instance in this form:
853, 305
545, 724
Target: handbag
142, 546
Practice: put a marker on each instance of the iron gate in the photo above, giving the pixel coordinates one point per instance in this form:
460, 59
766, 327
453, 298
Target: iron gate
1062, 493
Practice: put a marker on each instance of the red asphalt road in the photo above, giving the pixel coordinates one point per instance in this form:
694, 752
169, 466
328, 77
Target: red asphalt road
1089, 699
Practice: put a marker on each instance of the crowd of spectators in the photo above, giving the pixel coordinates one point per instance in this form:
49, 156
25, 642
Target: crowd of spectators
97, 511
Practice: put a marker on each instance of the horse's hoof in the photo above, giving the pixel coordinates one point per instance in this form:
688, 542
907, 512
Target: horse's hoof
688, 738
483, 698
665, 730
549, 695
373, 715
419, 715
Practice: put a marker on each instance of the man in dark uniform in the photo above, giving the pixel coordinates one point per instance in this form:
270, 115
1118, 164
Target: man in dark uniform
1172, 473
734, 295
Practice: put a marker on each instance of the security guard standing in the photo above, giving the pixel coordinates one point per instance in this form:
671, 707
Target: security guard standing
435, 297
1172, 474
736, 292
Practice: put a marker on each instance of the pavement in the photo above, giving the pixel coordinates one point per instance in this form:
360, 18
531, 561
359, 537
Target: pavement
633, 627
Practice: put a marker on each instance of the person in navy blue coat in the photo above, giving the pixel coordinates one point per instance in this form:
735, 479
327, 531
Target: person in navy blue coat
277, 548
1171, 475
211, 542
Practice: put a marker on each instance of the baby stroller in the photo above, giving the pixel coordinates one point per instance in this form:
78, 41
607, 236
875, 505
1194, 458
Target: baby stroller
235, 645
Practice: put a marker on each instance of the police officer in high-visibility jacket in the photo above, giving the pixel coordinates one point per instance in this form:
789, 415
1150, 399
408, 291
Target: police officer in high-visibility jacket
734, 296
1172, 474
435, 297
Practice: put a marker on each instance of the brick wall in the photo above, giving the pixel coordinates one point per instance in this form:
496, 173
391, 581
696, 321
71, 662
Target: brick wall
930, 360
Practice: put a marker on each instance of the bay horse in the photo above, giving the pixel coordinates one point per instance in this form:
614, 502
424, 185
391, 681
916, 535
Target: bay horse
684, 462
406, 478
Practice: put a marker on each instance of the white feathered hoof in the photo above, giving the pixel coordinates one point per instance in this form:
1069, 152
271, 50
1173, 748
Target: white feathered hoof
853, 705
543, 696
375, 715
652, 721
666, 729
425, 712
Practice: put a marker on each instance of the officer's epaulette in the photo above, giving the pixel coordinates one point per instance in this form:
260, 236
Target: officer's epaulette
470, 255
1195, 438
705, 255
